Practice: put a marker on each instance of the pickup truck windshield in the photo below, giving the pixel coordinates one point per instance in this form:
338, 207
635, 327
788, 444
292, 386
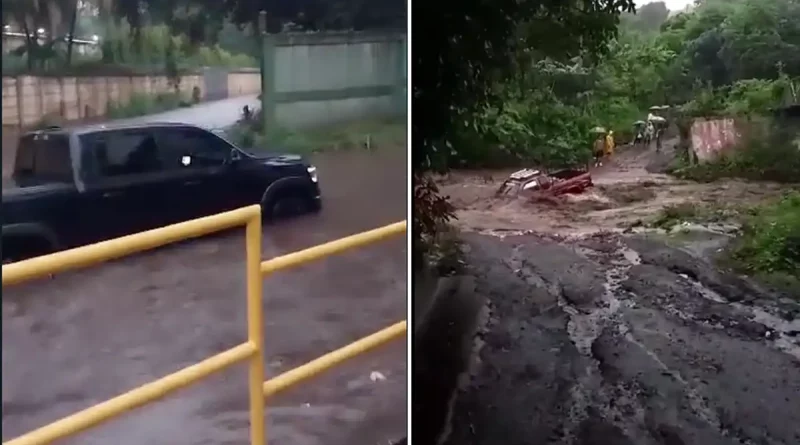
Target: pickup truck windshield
44, 157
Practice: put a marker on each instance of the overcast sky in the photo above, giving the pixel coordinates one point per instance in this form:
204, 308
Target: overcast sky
672, 5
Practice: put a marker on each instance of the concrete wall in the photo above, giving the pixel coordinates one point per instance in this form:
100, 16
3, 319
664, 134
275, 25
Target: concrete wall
713, 138
321, 78
244, 82
28, 99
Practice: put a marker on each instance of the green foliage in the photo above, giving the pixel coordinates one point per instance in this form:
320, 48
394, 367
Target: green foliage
156, 44
545, 113
143, 104
721, 43
538, 128
770, 242
368, 134
743, 98
124, 50
433, 242
754, 96
469, 49
647, 19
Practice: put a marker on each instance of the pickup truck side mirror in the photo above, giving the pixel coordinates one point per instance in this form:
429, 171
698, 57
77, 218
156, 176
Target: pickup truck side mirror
235, 155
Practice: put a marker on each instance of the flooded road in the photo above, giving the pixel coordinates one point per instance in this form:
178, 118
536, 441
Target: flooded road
84, 337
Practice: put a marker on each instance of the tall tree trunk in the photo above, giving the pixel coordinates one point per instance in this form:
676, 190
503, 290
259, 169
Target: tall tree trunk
30, 45
71, 35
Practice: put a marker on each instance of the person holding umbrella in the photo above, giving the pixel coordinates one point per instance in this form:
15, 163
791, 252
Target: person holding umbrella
638, 131
658, 124
599, 146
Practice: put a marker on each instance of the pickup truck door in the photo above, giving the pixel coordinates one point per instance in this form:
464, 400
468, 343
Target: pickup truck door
201, 160
128, 188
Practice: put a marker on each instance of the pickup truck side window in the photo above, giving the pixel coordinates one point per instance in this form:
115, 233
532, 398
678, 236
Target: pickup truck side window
204, 149
44, 156
123, 153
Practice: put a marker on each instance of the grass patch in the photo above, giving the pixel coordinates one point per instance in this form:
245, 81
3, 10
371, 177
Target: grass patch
368, 134
769, 247
144, 104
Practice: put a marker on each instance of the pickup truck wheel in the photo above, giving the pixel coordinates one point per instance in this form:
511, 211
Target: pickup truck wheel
286, 205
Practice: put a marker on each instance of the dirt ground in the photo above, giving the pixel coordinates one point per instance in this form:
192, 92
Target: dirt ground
591, 336
83, 337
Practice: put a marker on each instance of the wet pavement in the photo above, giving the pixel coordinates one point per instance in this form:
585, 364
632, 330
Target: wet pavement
86, 336
216, 114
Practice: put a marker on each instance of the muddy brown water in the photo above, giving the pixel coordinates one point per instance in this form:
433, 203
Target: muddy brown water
86, 336
626, 194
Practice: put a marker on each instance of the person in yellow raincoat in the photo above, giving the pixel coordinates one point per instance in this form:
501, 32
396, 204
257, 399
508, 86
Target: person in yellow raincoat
610, 145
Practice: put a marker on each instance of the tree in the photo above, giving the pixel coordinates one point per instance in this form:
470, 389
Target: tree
462, 51
647, 19
33, 17
722, 42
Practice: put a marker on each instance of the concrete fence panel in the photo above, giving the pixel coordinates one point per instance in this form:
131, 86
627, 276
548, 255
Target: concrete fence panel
29, 99
713, 138
321, 78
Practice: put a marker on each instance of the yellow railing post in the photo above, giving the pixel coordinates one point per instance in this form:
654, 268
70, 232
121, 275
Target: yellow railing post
255, 329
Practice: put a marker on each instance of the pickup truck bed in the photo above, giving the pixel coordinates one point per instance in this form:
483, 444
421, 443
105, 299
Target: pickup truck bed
536, 183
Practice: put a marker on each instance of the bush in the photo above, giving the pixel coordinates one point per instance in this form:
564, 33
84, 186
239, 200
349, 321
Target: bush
435, 242
535, 128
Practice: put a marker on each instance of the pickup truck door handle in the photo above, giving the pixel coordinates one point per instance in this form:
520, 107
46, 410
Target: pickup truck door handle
111, 194
192, 183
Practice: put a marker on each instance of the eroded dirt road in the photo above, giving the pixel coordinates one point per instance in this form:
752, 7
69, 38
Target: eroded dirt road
84, 337
590, 336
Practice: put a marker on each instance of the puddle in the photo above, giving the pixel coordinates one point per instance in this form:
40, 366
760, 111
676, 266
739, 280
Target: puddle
631, 255
790, 344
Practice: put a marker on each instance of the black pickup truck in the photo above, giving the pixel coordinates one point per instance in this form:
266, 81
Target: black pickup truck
76, 186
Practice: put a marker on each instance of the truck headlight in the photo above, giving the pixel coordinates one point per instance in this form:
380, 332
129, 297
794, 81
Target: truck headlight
312, 172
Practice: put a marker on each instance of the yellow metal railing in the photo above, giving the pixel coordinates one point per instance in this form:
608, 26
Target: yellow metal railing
252, 349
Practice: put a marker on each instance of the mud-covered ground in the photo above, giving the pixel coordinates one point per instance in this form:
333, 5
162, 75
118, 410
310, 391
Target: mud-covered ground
589, 336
